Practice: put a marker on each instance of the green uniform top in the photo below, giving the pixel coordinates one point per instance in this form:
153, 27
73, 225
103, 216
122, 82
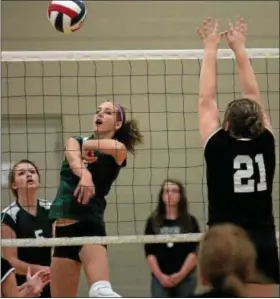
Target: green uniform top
104, 172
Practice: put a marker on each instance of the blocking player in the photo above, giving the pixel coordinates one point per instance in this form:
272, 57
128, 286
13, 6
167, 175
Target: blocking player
90, 167
240, 152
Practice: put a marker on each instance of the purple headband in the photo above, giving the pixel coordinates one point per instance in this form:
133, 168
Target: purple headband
120, 111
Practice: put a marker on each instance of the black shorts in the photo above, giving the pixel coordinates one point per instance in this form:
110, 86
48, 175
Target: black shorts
267, 253
79, 229
268, 264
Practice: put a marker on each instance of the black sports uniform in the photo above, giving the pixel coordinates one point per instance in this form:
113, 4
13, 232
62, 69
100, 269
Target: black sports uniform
6, 269
240, 181
29, 226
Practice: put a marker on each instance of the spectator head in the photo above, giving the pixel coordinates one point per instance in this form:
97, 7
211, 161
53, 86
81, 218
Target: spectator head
226, 259
172, 194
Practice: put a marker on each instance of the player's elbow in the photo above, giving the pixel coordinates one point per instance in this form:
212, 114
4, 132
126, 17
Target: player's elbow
206, 100
120, 152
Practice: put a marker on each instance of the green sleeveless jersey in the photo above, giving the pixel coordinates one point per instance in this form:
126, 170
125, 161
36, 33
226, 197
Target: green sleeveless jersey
104, 172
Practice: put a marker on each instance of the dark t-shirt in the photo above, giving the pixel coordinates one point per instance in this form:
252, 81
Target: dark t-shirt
171, 256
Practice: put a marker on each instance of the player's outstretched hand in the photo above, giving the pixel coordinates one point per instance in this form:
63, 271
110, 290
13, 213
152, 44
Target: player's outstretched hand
210, 34
35, 283
85, 189
235, 36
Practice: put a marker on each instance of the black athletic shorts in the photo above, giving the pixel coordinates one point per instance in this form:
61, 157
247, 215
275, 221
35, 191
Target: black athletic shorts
79, 229
267, 253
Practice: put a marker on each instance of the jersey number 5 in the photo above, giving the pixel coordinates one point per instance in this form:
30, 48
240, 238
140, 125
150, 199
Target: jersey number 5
247, 173
38, 233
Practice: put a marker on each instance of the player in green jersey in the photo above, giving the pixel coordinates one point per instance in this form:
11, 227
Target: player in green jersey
90, 167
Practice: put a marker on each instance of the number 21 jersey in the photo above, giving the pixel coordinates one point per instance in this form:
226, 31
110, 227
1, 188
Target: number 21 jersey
240, 179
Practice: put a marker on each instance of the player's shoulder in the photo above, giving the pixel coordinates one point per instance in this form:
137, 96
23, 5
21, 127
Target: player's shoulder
268, 134
149, 227
11, 212
44, 203
216, 138
221, 136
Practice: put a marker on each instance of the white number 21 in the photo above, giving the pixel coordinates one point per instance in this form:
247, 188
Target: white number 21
247, 173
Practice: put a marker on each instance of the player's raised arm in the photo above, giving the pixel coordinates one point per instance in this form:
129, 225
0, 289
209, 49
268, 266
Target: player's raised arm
108, 146
208, 114
236, 39
74, 156
85, 188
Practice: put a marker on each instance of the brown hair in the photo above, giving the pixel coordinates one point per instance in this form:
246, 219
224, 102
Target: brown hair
129, 133
245, 118
12, 174
226, 259
159, 213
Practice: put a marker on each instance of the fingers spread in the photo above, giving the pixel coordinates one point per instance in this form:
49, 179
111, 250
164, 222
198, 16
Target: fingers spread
217, 26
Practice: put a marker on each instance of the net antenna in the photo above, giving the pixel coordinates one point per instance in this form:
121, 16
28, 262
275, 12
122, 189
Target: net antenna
153, 84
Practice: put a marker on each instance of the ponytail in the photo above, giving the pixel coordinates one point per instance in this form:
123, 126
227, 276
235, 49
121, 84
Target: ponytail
230, 283
245, 118
129, 133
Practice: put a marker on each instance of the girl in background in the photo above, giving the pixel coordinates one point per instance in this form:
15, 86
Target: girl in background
172, 265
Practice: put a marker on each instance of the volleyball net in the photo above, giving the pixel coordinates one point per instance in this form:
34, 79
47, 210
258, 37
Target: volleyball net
50, 96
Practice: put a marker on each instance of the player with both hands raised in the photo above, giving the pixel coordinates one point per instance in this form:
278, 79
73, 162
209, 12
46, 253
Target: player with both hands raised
240, 152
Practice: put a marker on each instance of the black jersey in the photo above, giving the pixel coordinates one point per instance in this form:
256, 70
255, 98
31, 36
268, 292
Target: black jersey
6, 269
29, 226
240, 179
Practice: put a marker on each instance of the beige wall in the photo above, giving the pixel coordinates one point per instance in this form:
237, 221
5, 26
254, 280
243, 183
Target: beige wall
59, 100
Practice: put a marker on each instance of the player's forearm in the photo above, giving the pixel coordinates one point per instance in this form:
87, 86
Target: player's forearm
153, 265
75, 162
21, 267
189, 264
248, 81
208, 80
107, 146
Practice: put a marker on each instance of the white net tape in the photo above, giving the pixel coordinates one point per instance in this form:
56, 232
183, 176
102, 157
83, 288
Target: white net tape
130, 55
140, 239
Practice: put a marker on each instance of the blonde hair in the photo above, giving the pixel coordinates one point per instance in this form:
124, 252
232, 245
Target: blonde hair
227, 258
245, 118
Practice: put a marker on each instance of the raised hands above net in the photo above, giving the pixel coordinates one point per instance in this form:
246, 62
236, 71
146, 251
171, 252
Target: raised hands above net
235, 36
209, 33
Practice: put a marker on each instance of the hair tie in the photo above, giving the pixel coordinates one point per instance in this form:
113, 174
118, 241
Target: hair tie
119, 109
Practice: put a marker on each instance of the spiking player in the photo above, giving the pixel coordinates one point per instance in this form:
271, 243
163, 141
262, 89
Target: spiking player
85, 180
240, 152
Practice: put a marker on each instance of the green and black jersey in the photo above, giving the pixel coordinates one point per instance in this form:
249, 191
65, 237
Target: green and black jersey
104, 172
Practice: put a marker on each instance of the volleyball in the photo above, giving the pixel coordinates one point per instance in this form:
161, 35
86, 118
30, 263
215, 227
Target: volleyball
67, 15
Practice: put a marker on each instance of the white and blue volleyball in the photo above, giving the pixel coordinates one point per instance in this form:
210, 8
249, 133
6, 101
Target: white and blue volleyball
67, 15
